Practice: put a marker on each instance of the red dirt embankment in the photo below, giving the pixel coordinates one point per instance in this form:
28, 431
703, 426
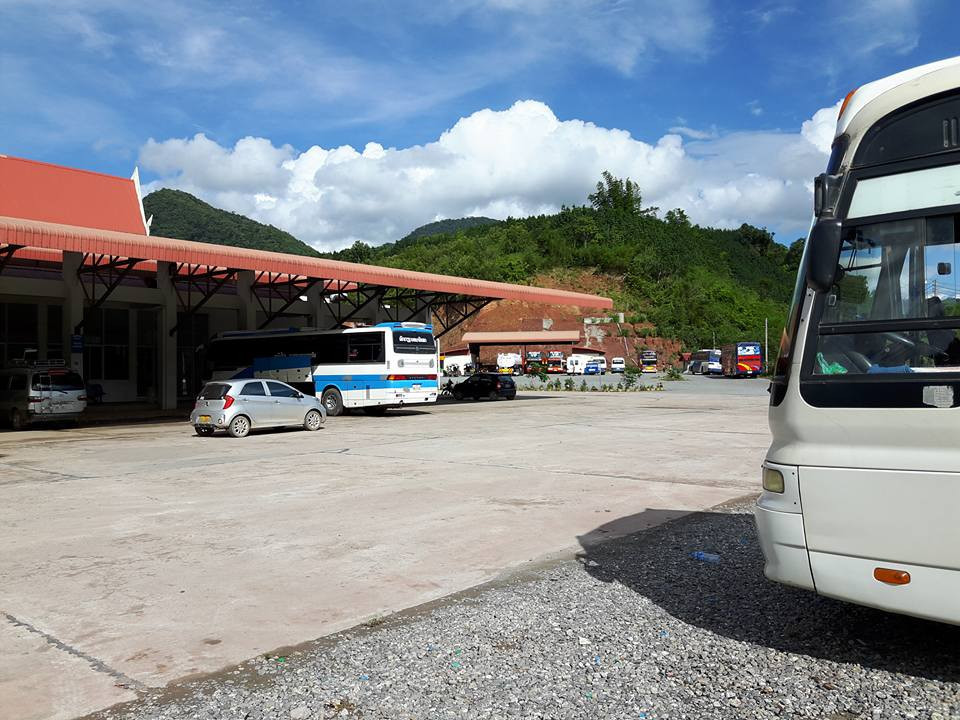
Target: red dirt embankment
615, 339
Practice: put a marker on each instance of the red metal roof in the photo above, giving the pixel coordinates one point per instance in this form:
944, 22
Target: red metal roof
538, 337
52, 193
72, 238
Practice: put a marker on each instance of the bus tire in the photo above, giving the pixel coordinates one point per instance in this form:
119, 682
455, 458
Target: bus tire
375, 410
333, 401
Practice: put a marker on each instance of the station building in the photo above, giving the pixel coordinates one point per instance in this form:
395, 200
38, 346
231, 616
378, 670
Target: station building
83, 280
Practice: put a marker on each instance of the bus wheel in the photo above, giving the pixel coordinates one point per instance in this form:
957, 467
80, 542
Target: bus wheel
375, 410
333, 401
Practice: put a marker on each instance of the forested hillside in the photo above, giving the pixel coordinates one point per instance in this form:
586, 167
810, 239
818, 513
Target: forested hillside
178, 214
697, 284
693, 283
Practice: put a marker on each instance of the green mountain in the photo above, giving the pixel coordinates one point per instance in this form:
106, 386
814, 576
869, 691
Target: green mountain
697, 284
446, 227
178, 214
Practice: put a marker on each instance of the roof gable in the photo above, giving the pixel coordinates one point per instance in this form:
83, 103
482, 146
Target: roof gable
34, 190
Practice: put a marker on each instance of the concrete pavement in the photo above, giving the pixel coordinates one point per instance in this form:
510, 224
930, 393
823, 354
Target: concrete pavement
135, 556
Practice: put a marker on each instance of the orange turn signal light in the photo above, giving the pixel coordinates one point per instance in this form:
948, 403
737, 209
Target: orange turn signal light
891, 576
846, 101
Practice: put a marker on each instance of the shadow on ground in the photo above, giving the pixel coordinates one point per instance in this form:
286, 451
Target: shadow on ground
734, 599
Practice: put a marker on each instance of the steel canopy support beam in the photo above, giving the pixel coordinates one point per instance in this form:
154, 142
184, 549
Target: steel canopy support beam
370, 295
6, 252
290, 292
470, 308
212, 280
109, 270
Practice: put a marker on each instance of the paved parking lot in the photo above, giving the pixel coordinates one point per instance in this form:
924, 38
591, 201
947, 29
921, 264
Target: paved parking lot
136, 556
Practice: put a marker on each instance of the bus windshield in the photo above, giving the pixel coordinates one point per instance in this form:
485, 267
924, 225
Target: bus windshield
895, 305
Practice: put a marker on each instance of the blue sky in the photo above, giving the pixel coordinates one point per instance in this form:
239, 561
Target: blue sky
493, 106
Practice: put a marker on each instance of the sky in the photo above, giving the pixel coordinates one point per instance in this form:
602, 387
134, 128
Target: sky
344, 121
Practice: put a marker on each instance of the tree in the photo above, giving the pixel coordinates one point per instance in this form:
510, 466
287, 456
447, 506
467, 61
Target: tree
359, 252
677, 217
615, 195
792, 260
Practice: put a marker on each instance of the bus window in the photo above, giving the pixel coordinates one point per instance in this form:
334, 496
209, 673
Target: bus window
886, 312
365, 347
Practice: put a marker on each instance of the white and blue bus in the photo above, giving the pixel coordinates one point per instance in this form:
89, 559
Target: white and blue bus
373, 368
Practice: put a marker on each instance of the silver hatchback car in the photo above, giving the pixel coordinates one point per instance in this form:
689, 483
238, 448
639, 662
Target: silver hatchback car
239, 406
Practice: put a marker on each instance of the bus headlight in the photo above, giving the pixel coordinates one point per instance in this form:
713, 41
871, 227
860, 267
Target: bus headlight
772, 480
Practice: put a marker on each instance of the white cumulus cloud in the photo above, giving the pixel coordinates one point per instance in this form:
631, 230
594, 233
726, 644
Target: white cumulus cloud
514, 162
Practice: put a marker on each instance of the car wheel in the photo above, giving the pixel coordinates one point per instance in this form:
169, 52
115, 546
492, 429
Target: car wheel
239, 427
457, 395
203, 431
493, 395
375, 411
313, 420
16, 419
333, 401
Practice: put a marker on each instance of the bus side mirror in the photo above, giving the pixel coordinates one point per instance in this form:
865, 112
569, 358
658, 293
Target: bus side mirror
825, 239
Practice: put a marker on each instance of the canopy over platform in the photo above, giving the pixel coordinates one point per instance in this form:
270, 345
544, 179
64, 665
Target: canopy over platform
75, 245
541, 337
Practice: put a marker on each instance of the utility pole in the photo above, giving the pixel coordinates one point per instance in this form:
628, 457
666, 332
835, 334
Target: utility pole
766, 342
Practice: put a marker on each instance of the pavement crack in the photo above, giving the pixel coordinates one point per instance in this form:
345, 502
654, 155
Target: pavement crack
95, 663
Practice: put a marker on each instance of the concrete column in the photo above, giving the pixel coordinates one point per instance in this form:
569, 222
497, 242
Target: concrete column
321, 316
246, 302
73, 303
167, 343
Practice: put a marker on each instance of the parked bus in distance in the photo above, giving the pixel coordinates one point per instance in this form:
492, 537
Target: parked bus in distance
705, 362
648, 361
861, 484
741, 359
509, 364
555, 362
373, 368
577, 362
533, 359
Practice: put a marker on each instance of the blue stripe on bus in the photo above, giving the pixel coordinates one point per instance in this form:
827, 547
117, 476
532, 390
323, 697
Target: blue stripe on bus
367, 381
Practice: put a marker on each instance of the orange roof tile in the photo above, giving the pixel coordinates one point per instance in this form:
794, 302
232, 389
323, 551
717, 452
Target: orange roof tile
52, 193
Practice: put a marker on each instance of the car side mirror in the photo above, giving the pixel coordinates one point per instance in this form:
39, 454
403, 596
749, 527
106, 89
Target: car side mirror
299, 396
825, 240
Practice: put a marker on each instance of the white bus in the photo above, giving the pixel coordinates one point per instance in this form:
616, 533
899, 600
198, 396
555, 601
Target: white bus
373, 368
861, 495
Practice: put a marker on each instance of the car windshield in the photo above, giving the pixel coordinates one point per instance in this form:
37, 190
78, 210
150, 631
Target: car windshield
895, 304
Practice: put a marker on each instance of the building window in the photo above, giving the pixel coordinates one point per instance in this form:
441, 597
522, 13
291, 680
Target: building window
55, 332
106, 336
18, 330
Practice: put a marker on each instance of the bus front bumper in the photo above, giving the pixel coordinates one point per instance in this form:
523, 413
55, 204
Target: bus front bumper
784, 547
931, 592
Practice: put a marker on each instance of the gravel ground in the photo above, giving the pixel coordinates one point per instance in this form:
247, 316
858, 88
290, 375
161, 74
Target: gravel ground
633, 628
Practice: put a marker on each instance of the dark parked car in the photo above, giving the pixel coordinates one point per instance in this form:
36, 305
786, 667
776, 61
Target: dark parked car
488, 385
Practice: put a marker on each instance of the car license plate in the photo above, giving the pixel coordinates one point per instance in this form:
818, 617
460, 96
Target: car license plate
204, 420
